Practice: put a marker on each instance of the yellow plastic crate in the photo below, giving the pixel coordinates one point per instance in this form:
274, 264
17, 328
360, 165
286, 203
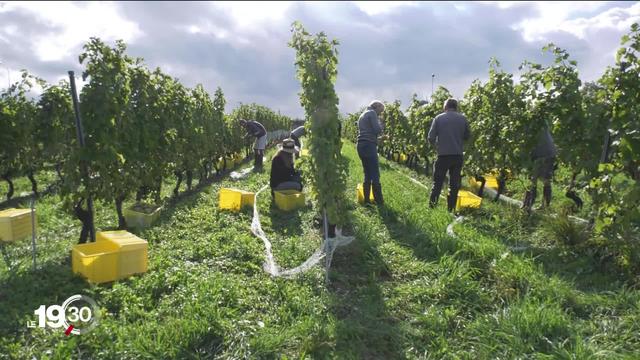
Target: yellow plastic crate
360, 194
15, 224
132, 251
235, 199
304, 152
139, 219
508, 174
98, 261
467, 199
490, 182
289, 199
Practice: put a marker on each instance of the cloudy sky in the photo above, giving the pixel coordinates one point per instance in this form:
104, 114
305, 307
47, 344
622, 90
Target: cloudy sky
387, 50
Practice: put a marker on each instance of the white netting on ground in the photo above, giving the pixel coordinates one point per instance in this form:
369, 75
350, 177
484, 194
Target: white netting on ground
325, 250
242, 174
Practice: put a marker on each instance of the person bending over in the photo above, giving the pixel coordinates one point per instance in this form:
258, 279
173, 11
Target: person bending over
257, 130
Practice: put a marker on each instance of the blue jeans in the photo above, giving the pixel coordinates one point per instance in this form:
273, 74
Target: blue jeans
368, 153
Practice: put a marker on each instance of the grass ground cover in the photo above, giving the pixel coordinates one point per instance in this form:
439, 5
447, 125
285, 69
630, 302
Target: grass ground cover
403, 289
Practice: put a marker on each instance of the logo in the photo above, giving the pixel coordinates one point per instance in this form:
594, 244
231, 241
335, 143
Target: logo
77, 315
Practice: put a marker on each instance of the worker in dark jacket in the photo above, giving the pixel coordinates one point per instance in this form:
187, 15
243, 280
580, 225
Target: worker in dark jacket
296, 134
369, 128
257, 130
448, 132
543, 157
283, 174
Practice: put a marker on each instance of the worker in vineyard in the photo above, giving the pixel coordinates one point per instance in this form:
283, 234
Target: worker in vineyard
283, 174
296, 134
257, 130
369, 128
448, 132
543, 158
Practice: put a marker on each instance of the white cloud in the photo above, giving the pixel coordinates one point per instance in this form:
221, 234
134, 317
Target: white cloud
502, 4
250, 14
559, 16
373, 8
619, 19
77, 22
388, 49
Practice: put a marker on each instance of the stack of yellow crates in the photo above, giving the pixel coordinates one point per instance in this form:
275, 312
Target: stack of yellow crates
115, 255
15, 224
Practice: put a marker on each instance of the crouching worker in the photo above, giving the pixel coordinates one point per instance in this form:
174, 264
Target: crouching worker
283, 175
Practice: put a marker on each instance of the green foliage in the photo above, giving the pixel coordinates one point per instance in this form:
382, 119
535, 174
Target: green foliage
350, 126
396, 129
106, 122
56, 124
268, 118
495, 114
20, 152
618, 186
140, 126
404, 289
564, 231
316, 62
419, 119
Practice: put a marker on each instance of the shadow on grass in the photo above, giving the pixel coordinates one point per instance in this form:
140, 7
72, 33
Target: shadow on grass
406, 233
24, 201
23, 292
364, 329
583, 271
572, 264
285, 222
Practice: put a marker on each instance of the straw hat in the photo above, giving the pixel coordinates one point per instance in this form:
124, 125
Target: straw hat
288, 145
